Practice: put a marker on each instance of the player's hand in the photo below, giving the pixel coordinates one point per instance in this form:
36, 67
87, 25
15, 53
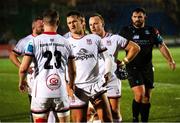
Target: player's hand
107, 78
30, 70
23, 86
120, 63
172, 65
70, 92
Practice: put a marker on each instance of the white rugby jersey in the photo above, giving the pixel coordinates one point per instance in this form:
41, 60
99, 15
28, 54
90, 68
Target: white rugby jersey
20, 50
20, 46
86, 51
67, 35
51, 53
113, 43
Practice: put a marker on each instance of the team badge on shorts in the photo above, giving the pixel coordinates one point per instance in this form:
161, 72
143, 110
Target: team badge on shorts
53, 81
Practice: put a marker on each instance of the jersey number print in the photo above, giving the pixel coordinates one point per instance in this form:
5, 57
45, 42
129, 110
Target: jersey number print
48, 55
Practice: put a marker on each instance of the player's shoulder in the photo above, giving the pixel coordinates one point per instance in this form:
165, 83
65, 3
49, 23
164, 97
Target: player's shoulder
24, 40
93, 36
67, 35
27, 38
149, 27
127, 27
152, 29
114, 36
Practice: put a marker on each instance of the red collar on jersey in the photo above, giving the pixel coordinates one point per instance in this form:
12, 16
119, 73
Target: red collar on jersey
50, 33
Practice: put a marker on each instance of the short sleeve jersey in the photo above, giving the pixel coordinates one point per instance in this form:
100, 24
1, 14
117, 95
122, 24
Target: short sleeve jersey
146, 38
20, 46
113, 43
86, 51
19, 49
67, 35
51, 53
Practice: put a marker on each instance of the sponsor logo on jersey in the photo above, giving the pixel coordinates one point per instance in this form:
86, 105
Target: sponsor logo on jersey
51, 40
89, 41
83, 54
142, 42
147, 32
30, 47
100, 56
53, 82
136, 37
73, 46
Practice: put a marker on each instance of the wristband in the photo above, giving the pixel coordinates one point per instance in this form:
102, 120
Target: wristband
126, 60
122, 63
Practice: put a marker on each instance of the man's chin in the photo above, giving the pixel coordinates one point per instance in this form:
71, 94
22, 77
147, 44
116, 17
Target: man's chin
138, 24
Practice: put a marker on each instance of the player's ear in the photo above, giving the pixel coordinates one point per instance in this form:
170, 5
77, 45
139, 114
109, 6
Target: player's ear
145, 16
57, 23
103, 24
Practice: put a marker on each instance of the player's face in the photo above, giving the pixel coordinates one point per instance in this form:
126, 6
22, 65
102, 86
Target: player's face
95, 25
138, 19
74, 24
39, 27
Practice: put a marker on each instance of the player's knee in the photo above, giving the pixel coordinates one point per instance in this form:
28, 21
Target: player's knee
64, 116
115, 113
114, 110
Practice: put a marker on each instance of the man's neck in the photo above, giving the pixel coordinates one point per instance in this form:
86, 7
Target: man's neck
103, 34
34, 34
78, 35
137, 27
50, 29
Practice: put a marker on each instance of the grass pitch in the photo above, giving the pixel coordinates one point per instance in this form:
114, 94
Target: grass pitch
165, 101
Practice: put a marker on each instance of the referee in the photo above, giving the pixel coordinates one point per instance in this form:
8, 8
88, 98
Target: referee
140, 69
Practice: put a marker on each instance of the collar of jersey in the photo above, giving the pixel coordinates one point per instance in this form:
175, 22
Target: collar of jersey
50, 33
78, 37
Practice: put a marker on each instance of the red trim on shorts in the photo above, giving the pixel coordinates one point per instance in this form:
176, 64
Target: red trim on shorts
50, 33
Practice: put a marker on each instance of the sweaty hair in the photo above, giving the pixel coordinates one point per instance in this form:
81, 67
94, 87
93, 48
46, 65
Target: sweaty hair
98, 15
139, 10
76, 13
35, 19
51, 17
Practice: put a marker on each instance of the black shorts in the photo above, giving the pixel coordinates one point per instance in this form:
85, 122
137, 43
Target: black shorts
141, 76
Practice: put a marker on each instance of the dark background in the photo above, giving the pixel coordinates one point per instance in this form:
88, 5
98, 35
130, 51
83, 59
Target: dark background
16, 15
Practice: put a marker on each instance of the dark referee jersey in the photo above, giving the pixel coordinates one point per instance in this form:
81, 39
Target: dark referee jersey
146, 38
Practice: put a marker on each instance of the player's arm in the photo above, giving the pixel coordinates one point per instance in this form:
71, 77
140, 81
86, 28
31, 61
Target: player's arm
72, 76
108, 65
26, 61
71, 72
14, 59
132, 50
164, 49
167, 55
13, 56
